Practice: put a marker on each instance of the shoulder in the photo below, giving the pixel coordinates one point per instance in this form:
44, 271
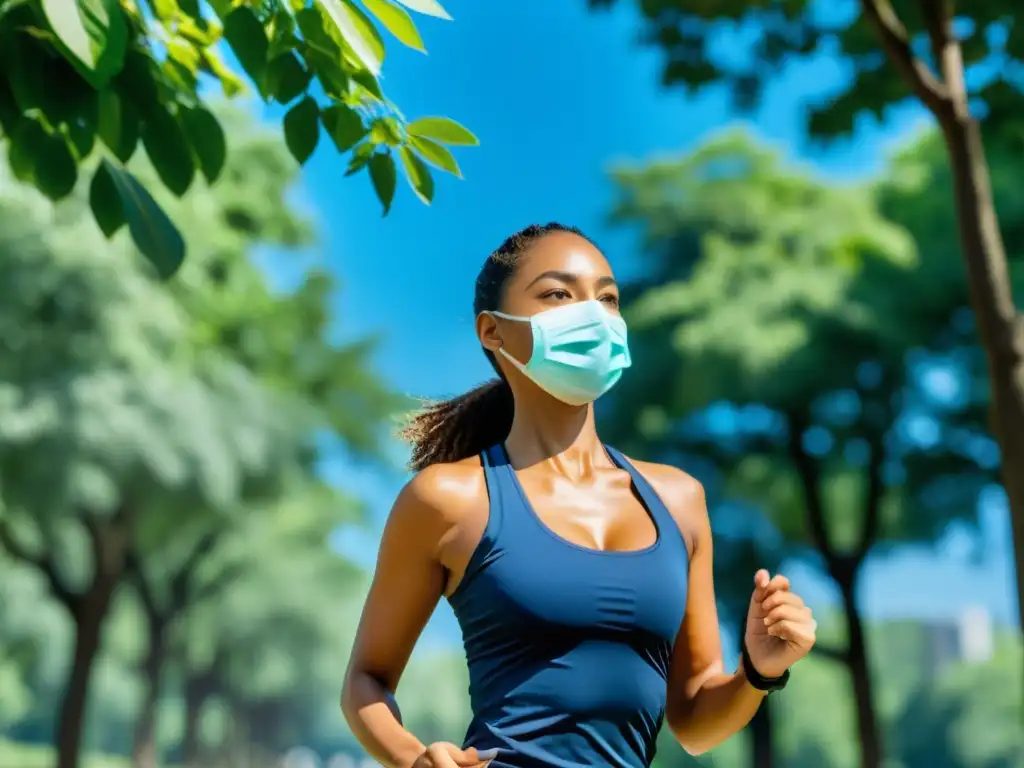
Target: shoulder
682, 494
441, 497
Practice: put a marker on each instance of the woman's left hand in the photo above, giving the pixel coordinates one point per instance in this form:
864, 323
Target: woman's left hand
780, 628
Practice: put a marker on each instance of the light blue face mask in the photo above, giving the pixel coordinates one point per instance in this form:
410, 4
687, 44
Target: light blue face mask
579, 351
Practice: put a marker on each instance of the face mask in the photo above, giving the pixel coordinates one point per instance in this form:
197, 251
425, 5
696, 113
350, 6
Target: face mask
579, 351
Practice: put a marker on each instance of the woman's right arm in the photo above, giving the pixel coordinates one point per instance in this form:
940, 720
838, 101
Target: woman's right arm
407, 584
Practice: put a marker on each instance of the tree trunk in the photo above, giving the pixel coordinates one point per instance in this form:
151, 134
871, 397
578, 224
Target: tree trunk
144, 747
109, 539
1000, 326
868, 732
197, 691
761, 749
89, 616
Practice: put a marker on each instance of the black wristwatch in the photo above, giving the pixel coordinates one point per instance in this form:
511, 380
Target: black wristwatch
759, 681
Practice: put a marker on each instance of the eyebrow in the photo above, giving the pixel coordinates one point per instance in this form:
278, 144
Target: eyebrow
570, 278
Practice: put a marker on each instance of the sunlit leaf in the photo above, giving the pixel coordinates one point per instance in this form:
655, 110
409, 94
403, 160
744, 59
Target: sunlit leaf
443, 130
427, 7
437, 155
418, 174
397, 22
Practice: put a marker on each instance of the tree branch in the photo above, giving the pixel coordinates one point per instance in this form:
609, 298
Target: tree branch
938, 19
808, 473
873, 502
896, 43
144, 589
43, 562
181, 583
218, 582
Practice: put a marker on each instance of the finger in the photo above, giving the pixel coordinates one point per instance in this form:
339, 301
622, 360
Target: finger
472, 756
778, 583
799, 633
440, 758
786, 613
782, 597
761, 579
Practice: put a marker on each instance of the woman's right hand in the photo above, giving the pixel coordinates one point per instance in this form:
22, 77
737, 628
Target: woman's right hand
441, 754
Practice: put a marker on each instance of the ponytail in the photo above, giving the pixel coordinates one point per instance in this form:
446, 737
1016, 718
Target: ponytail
455, 429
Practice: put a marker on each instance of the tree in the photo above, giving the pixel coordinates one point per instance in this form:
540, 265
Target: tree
959, 62
267, 645
285, 340
796, 319
121, 413
968, 716
94, 78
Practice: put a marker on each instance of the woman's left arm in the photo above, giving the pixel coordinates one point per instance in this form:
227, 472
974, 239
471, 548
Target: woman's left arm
706, 705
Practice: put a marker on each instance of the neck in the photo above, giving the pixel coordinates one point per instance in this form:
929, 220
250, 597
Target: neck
563, 436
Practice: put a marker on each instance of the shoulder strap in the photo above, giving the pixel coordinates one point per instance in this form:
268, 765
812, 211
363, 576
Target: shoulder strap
494, 463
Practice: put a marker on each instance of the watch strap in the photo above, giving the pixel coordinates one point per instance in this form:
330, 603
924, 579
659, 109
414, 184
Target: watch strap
759, 681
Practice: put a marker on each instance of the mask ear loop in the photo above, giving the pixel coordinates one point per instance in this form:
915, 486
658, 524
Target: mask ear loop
501, 350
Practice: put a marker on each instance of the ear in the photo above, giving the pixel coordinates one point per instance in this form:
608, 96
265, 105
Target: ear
488, 332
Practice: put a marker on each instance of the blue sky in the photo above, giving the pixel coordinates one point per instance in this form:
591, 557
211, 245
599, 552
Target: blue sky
557, 95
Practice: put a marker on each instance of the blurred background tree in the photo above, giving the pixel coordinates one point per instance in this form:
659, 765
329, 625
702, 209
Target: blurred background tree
94, 78
143, 426
959, 60
802, 328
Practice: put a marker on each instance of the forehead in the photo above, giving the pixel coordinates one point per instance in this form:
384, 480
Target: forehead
562, 252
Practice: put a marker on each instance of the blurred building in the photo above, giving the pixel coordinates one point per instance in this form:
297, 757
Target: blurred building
968, 638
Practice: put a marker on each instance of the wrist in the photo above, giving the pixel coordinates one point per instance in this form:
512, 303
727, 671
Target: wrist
757, 680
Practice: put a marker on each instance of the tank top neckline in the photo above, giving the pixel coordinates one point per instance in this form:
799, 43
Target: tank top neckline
638, 492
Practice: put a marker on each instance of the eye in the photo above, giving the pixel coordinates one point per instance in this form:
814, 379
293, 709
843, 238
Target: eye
610, 299
557, 293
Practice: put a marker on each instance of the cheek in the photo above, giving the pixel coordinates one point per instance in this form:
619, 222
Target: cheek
518, 341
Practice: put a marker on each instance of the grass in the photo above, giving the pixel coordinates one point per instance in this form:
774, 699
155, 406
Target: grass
36, 756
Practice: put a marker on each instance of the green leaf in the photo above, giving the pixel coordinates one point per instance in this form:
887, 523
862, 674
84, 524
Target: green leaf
139, 83
397, 22
360, 158
206, 136
169, 151
436, 154
56, 170
302, 129
248, 39
118, 125
82, 137
154, 234
93, 33
427, 8
105, 202
384, 176
442, 129
386, 130
357, 31
344, 125
322, 53
418, 174
25, 146
369, 83
287, 78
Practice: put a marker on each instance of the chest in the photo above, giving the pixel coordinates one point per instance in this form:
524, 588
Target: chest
539, 587
602, 512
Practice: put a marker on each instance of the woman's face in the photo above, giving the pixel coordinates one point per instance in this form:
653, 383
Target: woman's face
560, 268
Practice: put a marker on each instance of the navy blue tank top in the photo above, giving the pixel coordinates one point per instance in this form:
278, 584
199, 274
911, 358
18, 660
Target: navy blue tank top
568, 647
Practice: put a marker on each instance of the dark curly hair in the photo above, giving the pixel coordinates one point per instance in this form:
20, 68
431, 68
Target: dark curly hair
451, 430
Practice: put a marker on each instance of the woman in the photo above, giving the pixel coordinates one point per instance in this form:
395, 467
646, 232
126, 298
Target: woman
581, 580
